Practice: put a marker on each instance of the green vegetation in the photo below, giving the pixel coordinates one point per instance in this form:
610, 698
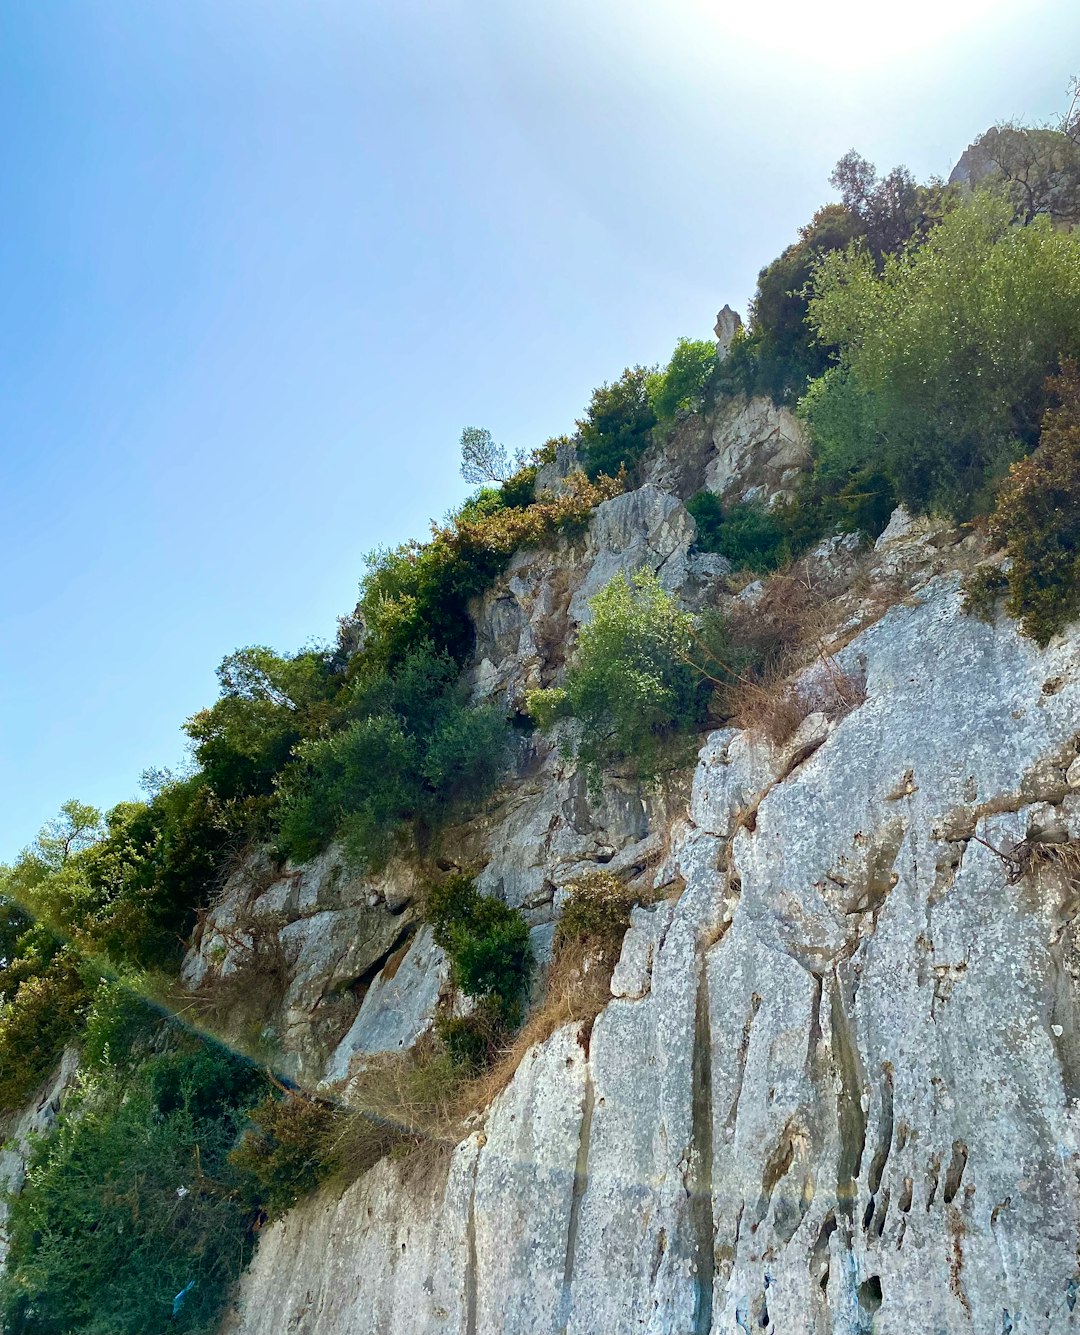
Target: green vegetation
595, 916
1037, 519
684, 383
132, 1203
487, 944
641, 678
944, 353
618, 423
751, 537
408, 754
288, 1148
928, 339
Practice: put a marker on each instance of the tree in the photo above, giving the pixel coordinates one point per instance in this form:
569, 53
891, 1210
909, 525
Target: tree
945, 352
484, 461
75, 828
1038, 167
890, 210
1037, 519
618, 423
641, 675
684, 382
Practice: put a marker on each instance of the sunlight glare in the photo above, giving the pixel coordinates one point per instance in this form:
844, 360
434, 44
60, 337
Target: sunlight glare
849, 34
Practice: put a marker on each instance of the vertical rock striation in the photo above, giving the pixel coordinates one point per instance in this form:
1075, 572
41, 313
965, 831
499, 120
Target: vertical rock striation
836, 1088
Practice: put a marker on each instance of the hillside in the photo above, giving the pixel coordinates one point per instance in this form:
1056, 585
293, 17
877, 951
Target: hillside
658, 909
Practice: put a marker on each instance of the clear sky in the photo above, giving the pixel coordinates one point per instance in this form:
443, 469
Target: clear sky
261, 262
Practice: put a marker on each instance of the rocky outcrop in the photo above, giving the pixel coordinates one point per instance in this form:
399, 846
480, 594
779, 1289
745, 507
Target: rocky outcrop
728, 323
282, 961
526, 622
747, 450
836, 1087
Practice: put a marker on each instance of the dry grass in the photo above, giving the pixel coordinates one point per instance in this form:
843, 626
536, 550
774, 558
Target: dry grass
793, 632
421, 1104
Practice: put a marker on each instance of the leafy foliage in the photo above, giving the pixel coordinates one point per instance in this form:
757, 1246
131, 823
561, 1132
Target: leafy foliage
269, 702
618, 423
778, 354
410, 755
1037, 519
419, 592
641, 676
132, 1202
595, 915
486, 942
751, 537
484, 461
1038, 169
287, 1149
944, 353
684, 382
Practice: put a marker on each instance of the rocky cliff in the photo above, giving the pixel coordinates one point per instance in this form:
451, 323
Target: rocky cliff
836, 1086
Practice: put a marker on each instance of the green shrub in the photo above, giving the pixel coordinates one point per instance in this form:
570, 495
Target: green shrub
131, 1202
43, 1013
751, 537
595, 916
1037, 519
288, 1149
944, 352
268, 703
983, 589
640, 678
778, 353
412, 756
486, 942
419, 593
685, 381
618, 423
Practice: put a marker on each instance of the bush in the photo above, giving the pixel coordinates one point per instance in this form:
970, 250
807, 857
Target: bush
287, 1149
131, 1203
268, 703
595, 917
641, 676
43, 1013
685, 381
419, 593
618, 423
944, 353
1037, 519
751, 537
413, 754
778, 354
486, 942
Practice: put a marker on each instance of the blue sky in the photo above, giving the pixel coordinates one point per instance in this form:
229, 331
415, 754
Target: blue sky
261, 262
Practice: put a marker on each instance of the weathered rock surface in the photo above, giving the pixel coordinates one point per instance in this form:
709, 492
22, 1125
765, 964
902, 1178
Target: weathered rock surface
728, 322
744, 450
838, 1086
526, 622
285, 955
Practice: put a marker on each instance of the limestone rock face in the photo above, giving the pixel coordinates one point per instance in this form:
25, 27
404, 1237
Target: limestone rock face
837, 1086
526, 622
744, 450
284, 955
761, 451
727, 323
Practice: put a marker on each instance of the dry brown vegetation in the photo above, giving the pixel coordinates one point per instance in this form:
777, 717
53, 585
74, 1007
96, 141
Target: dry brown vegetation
421, 1104
793, 627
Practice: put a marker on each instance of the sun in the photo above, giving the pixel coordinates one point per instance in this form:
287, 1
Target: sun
848, 34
